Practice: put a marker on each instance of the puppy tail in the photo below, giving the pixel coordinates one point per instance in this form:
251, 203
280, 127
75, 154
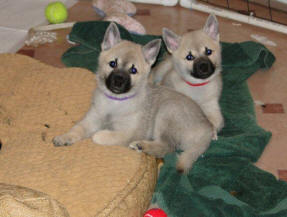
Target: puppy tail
188, 157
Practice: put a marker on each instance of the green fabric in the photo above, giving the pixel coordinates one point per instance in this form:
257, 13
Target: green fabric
89, 36
223, 181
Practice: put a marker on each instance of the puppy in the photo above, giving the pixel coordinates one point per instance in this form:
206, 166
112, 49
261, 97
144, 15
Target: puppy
194, 68
126, 110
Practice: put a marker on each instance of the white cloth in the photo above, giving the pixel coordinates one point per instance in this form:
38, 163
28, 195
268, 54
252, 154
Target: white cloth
17, 17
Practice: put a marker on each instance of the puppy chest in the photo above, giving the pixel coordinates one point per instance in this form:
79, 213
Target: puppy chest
121, 121
198, 94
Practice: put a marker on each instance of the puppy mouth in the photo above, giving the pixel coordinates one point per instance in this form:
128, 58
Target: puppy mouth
201, 75
203, 68
117, 90
118, 82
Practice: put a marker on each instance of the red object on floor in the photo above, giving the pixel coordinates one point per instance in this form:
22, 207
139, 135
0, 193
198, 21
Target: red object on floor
273, 108
156, 212
27, 52
283, 175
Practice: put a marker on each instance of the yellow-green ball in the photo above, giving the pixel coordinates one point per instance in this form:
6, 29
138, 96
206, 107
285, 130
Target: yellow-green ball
56, 12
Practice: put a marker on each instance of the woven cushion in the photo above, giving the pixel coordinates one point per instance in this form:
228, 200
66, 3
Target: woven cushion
16, 201
38, 102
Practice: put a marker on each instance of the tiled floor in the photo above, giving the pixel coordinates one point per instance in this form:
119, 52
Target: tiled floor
269, 87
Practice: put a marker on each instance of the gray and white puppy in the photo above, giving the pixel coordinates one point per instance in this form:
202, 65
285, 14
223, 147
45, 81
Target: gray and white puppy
194, 68
127, 111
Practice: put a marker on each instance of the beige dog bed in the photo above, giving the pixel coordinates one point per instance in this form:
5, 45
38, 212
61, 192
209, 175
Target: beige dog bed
38, 102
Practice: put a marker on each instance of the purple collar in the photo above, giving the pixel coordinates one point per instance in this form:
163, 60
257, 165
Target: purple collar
119, 99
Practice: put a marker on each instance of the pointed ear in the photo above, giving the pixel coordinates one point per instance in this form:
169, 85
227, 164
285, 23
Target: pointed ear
211, 27
170, 39
151, 50
112, 37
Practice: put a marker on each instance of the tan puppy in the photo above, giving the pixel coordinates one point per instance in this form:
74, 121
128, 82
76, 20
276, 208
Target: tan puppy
194, 68
127, 111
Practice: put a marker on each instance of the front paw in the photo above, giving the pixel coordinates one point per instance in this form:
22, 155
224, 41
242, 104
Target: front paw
216, 129
214, 137
63, 140
137, 146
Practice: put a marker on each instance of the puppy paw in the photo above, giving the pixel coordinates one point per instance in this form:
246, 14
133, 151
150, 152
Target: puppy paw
108, 137
136, 145
105, 137
63, 140
214, 137
218, 125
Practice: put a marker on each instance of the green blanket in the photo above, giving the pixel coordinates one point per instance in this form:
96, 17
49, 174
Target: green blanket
223, 181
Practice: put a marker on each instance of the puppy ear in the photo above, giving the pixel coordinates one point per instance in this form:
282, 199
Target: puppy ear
112, 37
211, 27
151, 50
170, 39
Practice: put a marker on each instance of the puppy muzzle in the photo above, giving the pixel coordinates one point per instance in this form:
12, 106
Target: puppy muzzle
118, 82
202, 68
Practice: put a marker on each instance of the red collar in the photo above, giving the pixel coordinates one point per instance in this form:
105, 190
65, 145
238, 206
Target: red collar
196, 85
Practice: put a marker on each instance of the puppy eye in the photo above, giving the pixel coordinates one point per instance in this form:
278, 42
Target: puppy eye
208, 51
189, 57
113, 63
133, 70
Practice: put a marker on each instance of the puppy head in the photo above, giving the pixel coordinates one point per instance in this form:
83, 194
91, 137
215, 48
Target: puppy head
123, 65
196, 54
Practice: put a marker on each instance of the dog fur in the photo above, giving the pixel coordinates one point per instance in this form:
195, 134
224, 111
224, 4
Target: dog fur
178, 70
126, 110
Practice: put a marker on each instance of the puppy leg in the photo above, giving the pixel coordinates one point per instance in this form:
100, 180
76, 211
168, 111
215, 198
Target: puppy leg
108, 137
75, 134
213, 114
83, 129
154, 148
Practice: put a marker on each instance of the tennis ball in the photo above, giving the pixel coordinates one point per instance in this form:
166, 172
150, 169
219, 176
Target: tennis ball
56, 12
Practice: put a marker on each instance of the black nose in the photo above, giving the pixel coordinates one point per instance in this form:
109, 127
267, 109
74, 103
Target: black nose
118, 82
202, 68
